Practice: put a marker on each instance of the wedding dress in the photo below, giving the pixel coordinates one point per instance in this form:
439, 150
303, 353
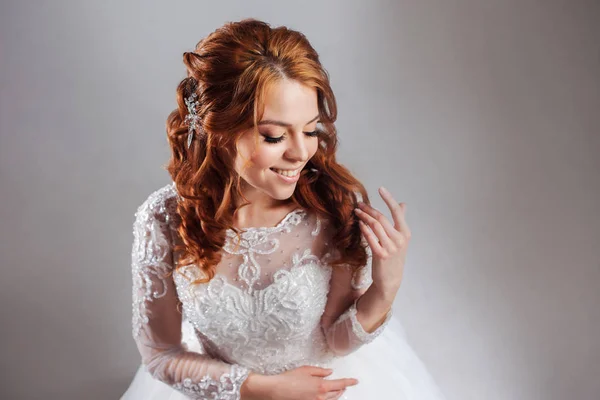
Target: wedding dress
263, 311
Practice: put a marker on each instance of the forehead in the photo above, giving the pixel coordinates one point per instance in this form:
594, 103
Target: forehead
291, 102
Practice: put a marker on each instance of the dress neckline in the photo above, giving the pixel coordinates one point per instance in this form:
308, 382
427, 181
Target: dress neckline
268, 228
256, 229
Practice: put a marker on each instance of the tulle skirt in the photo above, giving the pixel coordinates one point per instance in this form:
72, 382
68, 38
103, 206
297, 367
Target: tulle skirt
387, 368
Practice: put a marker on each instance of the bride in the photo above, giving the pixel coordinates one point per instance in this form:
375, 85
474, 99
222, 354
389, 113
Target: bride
262, 271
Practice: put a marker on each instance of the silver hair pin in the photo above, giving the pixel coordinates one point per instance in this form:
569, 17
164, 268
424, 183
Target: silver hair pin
192, 118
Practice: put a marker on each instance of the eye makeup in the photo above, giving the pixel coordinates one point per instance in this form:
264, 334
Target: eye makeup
272, 140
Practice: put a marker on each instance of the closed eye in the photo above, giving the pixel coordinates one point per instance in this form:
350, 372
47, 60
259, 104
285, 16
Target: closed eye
270, 139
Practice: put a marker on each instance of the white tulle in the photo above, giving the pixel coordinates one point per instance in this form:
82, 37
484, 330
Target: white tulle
274, 304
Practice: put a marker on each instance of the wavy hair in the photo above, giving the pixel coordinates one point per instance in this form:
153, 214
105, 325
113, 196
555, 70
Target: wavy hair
230, 71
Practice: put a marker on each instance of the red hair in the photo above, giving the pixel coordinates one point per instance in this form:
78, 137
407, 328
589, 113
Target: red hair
230, 71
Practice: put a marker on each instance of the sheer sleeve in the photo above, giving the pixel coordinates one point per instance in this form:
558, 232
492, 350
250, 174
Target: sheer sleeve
343, 331
157, 321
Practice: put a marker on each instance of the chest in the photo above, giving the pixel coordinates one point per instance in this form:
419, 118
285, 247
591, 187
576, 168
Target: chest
289, 308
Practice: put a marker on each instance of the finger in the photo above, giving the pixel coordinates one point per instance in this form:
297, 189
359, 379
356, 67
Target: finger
318, 371
376, 226
371, 238
378, 216
339, 384
398, 211
335, 394
405, 227
393, 205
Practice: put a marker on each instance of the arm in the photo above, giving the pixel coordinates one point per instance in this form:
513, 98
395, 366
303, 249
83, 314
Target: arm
157, 322
355, 313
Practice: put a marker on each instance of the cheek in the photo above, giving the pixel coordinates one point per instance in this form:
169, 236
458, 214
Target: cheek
314, 148
265, 158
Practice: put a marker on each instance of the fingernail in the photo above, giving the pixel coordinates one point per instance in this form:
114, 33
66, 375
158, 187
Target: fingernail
384, 190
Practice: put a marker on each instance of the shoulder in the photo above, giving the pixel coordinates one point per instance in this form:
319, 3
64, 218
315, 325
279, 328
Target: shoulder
159, 206
152, 231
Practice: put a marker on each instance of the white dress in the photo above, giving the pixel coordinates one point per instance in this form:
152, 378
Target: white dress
264, 311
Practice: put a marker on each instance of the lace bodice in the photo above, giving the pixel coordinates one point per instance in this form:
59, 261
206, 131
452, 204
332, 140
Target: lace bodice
273, 305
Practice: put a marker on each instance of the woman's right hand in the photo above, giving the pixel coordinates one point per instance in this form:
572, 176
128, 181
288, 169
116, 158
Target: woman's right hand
302, 383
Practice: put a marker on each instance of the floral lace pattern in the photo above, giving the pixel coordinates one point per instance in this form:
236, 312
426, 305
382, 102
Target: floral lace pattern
226, 388
150, 256
357, 328
272, 329
261, 311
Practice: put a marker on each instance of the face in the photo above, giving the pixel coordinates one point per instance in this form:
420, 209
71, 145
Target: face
287, 141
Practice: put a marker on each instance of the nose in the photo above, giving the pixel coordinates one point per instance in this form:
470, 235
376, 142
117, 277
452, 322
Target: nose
298, 148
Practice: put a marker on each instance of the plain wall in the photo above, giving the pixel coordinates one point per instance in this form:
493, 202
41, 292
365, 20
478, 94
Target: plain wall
483, 116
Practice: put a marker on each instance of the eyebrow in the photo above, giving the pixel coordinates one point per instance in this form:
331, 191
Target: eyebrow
283, 124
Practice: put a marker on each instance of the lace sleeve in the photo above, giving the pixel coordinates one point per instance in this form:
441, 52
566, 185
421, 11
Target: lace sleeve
156, 320
343, 331
362, 278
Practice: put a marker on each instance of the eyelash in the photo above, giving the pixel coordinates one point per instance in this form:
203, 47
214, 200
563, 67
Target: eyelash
273, 140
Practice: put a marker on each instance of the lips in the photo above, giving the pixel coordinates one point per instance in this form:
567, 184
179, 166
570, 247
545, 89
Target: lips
287, 170
287, 179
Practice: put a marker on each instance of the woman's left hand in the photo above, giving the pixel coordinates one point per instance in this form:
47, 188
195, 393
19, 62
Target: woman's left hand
388, 243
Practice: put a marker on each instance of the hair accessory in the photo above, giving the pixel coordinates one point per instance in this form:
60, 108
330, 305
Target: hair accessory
192, 118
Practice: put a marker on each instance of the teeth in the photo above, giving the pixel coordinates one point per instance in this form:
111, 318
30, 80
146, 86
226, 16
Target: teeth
289, 173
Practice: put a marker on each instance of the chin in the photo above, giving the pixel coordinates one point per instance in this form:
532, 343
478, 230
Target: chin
284, 194
276, 191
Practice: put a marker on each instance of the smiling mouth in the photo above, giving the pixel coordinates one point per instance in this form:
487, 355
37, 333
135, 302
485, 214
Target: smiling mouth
286, 173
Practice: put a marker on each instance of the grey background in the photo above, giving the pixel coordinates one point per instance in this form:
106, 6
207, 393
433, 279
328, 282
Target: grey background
482, 115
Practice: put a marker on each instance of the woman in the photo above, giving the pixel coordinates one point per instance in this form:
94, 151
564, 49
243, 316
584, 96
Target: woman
258, 273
